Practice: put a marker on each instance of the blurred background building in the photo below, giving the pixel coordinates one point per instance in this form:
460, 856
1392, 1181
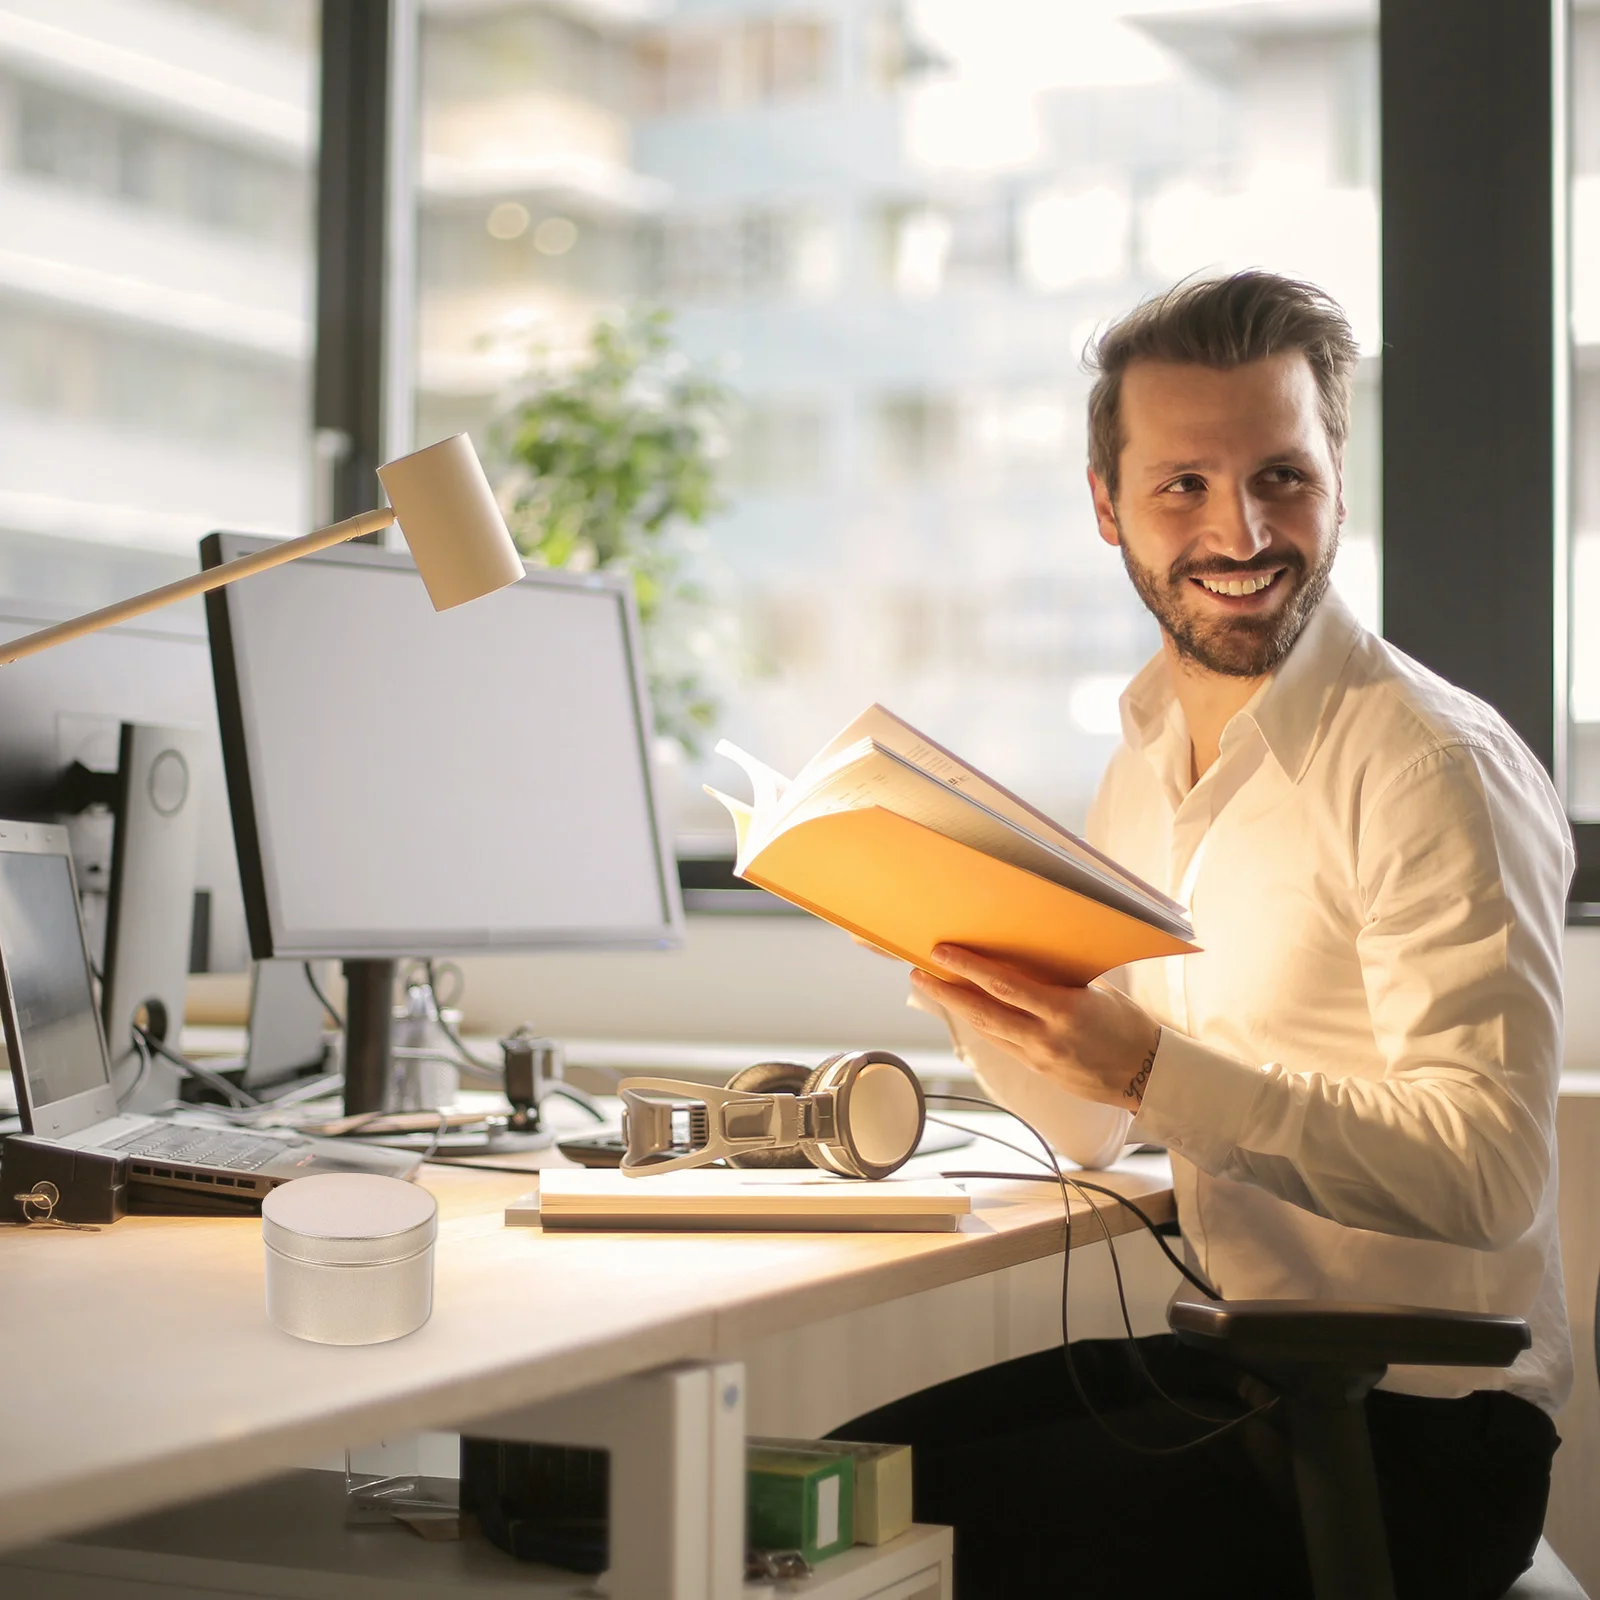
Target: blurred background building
890, 225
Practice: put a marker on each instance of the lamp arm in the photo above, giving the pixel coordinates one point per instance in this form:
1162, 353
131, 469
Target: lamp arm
196, 583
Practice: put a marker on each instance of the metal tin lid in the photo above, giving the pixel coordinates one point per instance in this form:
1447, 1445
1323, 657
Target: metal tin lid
349, 1219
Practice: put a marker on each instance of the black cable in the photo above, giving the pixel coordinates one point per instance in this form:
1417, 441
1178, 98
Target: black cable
1134, 1347
142, 1050
231, 1092
467, 1057
1116, 1270
577, 1097
1155, 1228
1051, 1161
327, 1004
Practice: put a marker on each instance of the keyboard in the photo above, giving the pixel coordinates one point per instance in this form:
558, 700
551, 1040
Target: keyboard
203, 1147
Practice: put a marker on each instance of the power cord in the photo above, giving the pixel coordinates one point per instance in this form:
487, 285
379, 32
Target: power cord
142, 1051
1052, 1162
468, 1061
1116, 1264
231, 1092
334, 1015
577, 1097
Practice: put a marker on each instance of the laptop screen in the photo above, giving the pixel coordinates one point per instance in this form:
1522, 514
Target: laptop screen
49, 974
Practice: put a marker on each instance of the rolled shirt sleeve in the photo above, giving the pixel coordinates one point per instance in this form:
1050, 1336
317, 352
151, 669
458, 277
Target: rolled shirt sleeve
1462, 864
1087, 1134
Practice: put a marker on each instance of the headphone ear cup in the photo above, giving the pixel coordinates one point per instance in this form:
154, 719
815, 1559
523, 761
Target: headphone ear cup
814, 1077
879, 1109
771, 1077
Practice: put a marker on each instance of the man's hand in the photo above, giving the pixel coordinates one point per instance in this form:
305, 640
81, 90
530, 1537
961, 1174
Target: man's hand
1095, 1042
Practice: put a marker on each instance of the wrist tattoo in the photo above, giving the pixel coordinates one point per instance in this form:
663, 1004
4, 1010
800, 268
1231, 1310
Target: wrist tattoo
1135, 1089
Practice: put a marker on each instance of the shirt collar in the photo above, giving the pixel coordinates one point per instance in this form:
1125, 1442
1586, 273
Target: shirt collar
1288, 710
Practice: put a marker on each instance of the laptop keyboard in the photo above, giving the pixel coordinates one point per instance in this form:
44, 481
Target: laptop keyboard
205, 1147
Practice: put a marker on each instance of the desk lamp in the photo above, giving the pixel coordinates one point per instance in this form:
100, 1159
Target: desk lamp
445, 509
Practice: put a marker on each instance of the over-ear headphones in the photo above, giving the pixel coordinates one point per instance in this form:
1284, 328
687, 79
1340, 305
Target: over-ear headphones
860, 1114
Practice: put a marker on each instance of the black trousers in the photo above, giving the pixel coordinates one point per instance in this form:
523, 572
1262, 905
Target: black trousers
1045, 1506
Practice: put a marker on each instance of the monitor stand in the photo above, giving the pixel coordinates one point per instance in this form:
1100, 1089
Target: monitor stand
368, 1011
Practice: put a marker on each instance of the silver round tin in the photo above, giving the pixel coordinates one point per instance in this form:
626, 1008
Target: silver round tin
349, 1257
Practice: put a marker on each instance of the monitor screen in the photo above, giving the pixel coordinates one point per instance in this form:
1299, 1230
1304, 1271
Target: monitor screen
47, 970
405, 781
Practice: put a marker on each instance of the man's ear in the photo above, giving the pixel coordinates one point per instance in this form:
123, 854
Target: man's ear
1105, 510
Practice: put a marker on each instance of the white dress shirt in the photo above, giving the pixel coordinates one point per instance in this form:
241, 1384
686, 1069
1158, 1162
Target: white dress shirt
1357, 1076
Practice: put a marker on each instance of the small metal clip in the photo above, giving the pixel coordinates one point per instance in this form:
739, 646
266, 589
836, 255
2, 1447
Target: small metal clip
39, 1205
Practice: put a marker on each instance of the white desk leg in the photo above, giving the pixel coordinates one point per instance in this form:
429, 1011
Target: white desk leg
677, 1444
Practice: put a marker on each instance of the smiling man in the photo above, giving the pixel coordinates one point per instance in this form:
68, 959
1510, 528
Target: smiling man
1356, 1077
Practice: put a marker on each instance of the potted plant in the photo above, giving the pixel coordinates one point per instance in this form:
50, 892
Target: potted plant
613, 462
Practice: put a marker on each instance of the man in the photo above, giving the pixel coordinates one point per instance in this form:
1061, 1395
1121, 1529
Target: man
1356, 1077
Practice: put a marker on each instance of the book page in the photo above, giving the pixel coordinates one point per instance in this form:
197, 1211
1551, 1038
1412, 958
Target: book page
885, 728
742, 816
767, 784
870, 775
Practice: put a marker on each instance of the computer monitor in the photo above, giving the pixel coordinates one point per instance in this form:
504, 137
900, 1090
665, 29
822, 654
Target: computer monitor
61, 718
406, 782
85, 736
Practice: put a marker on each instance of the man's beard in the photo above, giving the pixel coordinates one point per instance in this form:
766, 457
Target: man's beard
1242, 646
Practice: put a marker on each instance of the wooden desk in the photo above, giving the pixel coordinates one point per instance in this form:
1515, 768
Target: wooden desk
141, 1370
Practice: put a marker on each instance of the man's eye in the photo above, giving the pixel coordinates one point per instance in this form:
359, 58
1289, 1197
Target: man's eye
1187, 484
1281, 475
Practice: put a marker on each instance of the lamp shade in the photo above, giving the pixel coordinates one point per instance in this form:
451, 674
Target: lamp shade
449, 517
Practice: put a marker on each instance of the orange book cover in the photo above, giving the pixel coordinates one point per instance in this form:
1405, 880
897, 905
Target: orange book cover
906, 888
900, 842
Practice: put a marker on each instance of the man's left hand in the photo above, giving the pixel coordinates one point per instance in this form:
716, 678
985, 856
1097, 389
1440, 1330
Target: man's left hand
1095, 1042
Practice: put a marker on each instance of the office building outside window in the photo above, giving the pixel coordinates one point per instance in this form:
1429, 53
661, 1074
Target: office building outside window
891, 228
156, 268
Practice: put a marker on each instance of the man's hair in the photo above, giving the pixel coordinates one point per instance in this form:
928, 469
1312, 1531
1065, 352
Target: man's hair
1222, 323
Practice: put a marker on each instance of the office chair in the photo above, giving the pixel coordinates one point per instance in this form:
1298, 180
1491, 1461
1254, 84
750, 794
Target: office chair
1324, 1360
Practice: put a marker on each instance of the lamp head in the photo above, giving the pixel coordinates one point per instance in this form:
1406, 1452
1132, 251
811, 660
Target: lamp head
449, 517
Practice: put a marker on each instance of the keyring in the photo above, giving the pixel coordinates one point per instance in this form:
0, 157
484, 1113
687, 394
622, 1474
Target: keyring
45, 1196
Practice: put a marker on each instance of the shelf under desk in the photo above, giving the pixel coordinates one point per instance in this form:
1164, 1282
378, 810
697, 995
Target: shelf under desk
142, 1371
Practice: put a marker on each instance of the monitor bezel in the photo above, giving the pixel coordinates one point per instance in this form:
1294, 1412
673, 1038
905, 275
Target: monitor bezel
265, 944
89, 1106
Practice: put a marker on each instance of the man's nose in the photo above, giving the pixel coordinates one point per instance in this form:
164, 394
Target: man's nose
1238, 526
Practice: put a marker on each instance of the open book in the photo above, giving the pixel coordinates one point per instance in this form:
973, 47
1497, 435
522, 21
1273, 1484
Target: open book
897, 840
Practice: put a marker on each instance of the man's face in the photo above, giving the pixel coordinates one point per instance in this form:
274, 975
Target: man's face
1229, 506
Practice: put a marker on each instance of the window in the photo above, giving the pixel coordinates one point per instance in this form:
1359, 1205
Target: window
891, 228
1583, 658
155, 285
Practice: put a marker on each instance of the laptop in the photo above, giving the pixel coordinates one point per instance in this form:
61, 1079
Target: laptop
63, 1075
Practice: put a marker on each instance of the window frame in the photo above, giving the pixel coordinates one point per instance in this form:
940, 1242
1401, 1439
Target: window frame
1473, 190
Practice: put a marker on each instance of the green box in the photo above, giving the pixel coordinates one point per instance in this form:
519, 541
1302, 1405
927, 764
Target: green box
799, 1500
883, 1486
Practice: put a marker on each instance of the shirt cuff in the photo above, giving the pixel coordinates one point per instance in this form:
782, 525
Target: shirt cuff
1198, 1101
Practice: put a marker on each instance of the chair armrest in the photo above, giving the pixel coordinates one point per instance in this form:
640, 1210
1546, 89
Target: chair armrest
1303, 1333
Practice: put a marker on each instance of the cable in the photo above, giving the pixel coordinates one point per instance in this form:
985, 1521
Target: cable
1045, 1177
438, 1134
1116, 1266
142, 1050
577, 1097
1051, 1161
469, 1060
234, 1095
327, 1004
